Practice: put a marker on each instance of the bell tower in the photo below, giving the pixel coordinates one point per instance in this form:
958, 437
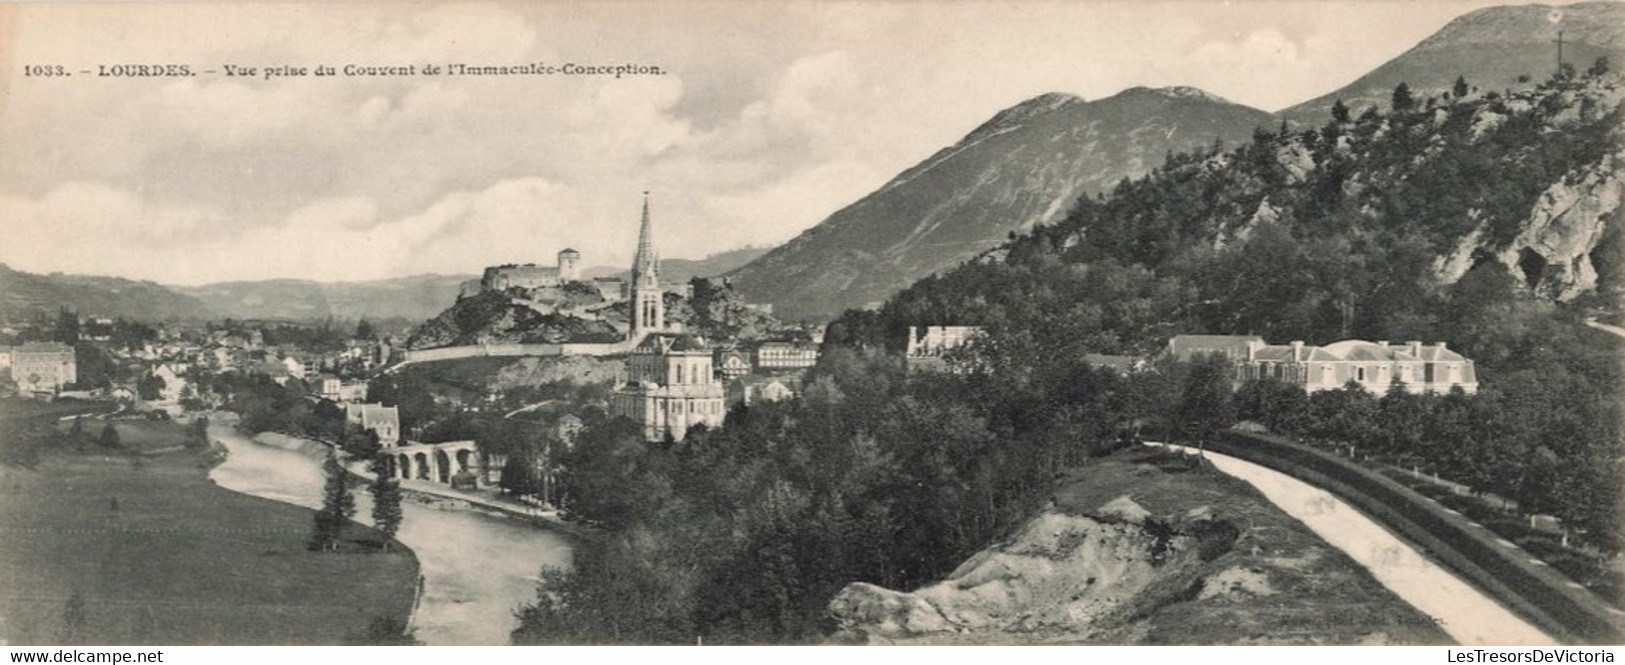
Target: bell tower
648, 304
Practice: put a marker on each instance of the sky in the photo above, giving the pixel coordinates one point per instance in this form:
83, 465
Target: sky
766, 118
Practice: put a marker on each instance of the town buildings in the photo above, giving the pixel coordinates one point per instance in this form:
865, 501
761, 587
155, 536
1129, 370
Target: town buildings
173, 383
41, 368
1375, 366
330, 387
785, 355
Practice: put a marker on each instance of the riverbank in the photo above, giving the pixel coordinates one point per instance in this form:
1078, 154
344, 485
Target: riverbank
1146, 547
113, 546
477, 568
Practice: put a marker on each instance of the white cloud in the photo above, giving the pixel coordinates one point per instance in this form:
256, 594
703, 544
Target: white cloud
771, 117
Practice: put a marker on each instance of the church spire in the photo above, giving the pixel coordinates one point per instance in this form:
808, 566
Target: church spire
648, 307
646, 267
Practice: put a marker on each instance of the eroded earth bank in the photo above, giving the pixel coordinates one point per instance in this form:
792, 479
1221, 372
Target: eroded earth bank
1145, 547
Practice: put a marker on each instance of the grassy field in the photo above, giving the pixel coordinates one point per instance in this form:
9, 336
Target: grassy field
119, 547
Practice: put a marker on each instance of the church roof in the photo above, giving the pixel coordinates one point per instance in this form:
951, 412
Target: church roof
663, 343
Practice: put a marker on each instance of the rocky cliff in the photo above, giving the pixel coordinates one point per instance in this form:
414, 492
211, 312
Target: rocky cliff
1144, 548
493, 317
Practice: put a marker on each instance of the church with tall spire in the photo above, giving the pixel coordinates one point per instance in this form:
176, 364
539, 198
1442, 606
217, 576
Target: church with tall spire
670, 384
648, 299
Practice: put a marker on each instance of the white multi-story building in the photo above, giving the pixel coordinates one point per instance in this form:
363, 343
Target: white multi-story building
1375, 366
670, 386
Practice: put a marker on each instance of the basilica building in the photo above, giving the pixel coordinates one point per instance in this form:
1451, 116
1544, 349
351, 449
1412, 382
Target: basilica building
670, 382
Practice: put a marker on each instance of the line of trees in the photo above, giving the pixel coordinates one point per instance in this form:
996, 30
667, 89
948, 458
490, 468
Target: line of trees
742, 534
1511, 441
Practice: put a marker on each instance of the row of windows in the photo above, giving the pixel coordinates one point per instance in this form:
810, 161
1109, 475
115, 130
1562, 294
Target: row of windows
1431, 372
628, 406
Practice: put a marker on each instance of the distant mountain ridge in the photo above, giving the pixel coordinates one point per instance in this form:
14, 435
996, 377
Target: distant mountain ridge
416, 297
1022, 167
23, 295
682, 270
1492, 48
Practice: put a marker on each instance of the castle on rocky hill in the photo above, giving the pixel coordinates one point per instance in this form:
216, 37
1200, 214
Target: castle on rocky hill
532, 276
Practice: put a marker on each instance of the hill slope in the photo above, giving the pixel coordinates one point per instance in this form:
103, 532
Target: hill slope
682, 270
1023, 167
415, 298
22, 294
1492, 48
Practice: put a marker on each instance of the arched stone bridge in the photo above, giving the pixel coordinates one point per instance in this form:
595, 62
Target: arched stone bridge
434, 462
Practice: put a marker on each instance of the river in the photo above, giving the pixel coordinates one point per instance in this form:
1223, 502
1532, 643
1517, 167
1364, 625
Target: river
477, 568
1462, 611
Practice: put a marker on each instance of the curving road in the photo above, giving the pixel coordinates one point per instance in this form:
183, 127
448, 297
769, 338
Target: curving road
1468, 615
1492, 565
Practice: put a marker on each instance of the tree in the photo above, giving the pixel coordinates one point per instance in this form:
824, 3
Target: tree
338, 506
1205, 406
1459, 89
1402, 99
110, 438
386, 501
151, 387
1340, 112
67, 326
1277, 405
197, 434
519, 476
1599, 67
360, 443
365, 330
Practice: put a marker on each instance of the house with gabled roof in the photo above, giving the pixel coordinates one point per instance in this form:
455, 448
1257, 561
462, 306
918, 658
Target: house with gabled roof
385, 421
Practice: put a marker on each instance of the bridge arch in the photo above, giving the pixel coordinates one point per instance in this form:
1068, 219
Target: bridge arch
442, 466
405, 467
421, 464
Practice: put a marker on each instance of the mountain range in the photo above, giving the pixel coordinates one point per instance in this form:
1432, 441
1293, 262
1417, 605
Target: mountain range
1023, 167
682, 270
1030, 162
415, 298
412, 299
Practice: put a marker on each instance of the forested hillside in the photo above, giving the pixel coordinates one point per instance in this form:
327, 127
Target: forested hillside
1400, 225
1488, 222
